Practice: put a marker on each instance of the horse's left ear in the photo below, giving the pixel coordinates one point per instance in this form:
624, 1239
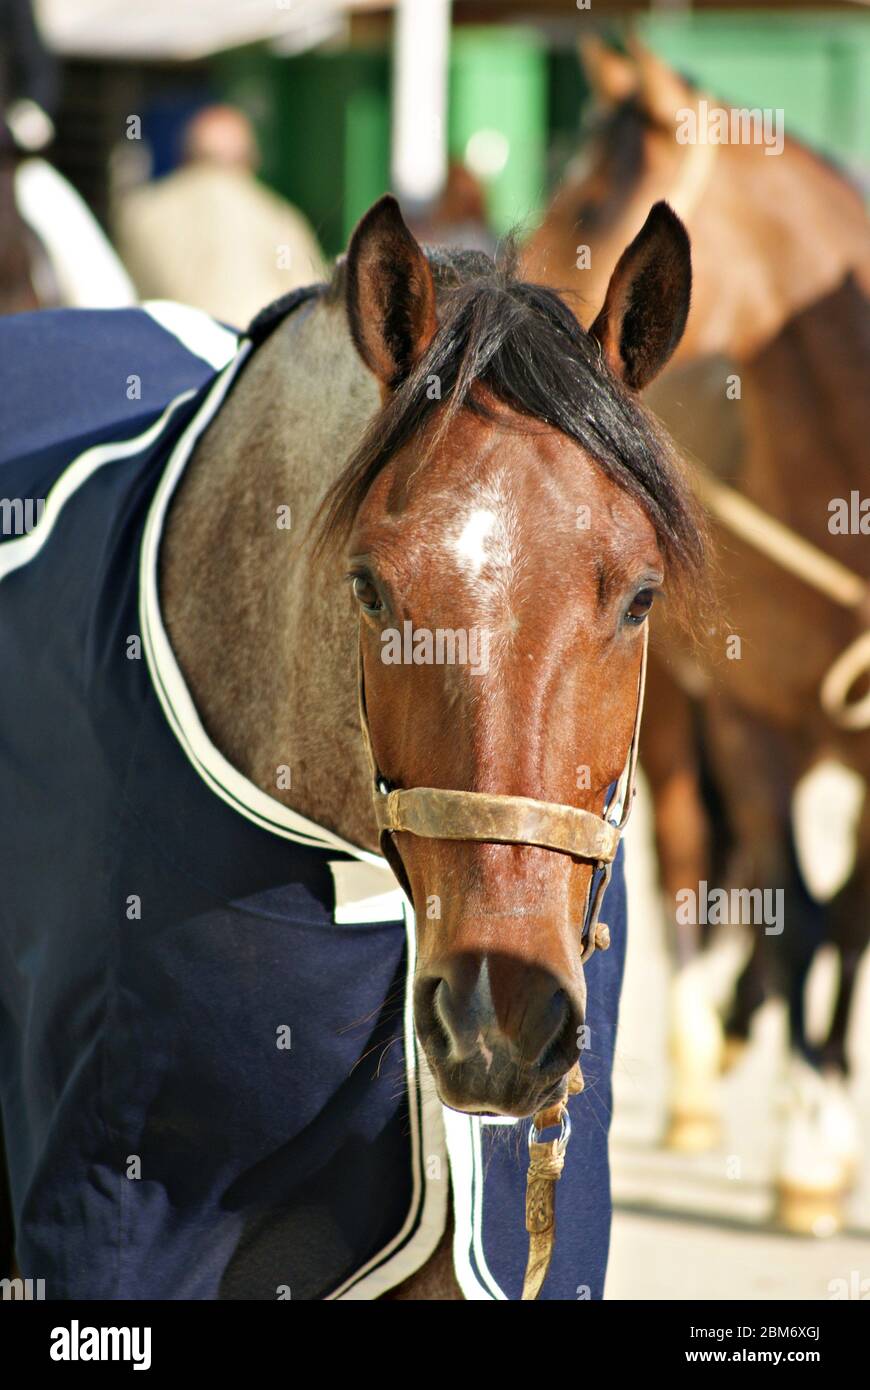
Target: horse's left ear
390, 294
647, 301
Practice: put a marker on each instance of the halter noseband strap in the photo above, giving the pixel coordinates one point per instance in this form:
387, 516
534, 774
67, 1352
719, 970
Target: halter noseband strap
453, 815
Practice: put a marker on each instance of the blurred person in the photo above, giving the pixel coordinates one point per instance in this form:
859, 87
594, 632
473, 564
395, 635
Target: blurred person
458, 217
210, 234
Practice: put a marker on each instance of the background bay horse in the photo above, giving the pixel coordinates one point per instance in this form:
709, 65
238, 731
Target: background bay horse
779, 308
482, 423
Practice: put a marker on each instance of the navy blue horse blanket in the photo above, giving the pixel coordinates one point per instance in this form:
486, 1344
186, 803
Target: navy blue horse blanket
210, 1087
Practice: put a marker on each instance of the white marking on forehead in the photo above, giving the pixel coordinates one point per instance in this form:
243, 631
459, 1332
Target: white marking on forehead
470, 545
483, 544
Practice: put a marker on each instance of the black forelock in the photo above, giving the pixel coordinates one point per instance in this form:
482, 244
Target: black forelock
522, 343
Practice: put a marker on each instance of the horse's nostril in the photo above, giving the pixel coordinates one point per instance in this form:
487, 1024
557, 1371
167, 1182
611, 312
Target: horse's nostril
546, 1031
457, 1019
432, 1023
562, 1041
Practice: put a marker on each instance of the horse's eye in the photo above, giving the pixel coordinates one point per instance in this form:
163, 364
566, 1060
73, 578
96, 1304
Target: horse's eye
639, 606
366, 594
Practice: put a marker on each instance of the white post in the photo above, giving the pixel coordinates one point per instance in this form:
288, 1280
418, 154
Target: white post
420, 52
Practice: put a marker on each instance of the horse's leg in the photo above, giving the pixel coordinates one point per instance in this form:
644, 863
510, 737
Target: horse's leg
820, 1148
820, 1152
783, 969
843, 1131
834, 1055
808, 929
750, 992
758, 770
850, 931
435, 1281
683, 828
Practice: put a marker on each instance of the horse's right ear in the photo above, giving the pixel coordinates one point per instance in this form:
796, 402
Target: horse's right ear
390, 294
647, 301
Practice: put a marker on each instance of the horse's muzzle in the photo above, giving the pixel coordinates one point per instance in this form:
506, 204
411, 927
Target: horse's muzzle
500, 1035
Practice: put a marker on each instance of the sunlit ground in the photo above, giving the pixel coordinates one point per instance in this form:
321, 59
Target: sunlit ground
685, 1227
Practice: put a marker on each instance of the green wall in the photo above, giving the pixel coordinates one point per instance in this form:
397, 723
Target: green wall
498, 83
324, 117
815, 66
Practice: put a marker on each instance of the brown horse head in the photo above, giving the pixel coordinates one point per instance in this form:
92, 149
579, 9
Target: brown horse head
509, 517
773, 226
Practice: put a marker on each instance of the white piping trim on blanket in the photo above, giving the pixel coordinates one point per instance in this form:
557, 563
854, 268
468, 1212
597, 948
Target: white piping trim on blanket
201, 335
166, 677
398, 1260
219, 774
477, 1123
21, 550
466, 1170
403, 1256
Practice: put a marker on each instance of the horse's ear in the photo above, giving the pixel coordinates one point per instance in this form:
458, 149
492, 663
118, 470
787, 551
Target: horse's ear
647, 301
390, 294
661, 92
612, 76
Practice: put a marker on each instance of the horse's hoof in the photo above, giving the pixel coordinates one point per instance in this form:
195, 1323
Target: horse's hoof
806, 1211
692, 1133
733, 1052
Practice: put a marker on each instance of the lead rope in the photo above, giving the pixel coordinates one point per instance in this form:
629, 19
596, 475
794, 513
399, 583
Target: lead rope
807, 562
547, 1160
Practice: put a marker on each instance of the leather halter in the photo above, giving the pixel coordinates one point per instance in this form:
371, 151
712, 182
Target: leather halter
438, 814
